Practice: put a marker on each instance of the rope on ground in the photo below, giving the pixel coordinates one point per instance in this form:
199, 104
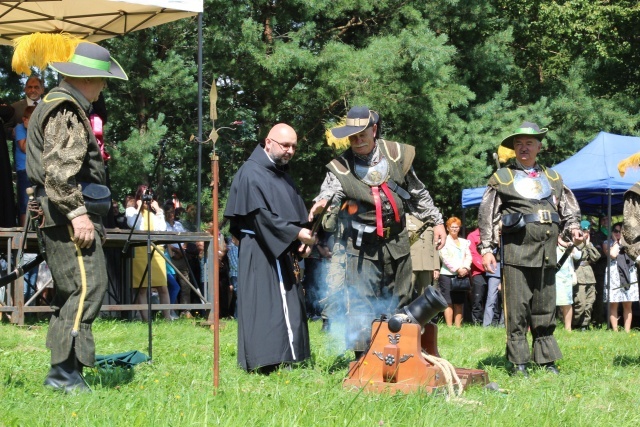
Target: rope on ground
454, 385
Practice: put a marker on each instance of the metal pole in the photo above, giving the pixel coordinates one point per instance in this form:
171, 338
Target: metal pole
606, 303
216, 269
199, 139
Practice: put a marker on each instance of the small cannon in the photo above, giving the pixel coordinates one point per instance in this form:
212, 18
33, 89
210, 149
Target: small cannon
399, 357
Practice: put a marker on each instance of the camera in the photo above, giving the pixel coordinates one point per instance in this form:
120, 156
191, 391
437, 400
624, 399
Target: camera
148, 195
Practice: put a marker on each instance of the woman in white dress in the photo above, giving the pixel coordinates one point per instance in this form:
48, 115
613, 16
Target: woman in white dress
565, 280
623, 283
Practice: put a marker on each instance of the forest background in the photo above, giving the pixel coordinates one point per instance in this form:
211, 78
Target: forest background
451, 77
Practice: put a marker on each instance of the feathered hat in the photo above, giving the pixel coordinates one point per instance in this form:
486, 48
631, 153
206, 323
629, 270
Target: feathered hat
632, 162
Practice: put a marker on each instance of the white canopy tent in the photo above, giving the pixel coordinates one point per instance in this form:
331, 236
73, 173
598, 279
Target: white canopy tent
93, 20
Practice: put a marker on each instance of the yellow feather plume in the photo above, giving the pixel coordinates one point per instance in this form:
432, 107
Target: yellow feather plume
505, 154
630, 162
338, 144
40, 49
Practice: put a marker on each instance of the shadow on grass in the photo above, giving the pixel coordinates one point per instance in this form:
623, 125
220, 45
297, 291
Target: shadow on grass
340, 363
626, 361
495, 360
110, 377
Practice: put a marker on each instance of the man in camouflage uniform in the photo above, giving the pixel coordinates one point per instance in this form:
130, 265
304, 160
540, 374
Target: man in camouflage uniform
533, 206
584, 291
63, 156
373, 183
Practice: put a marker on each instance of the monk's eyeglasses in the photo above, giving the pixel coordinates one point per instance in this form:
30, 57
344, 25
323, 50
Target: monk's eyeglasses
285, 147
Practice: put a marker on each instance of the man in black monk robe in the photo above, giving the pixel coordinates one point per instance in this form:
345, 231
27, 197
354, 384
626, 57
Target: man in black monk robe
267, 216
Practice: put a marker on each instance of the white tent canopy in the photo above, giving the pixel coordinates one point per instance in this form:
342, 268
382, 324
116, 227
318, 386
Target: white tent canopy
93, 20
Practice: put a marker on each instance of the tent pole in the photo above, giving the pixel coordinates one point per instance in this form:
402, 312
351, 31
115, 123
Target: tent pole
607, 305
198, 202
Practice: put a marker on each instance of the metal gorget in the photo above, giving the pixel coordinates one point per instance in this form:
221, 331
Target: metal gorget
372, 175
532, 187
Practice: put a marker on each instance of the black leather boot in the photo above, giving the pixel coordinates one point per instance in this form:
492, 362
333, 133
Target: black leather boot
67, 376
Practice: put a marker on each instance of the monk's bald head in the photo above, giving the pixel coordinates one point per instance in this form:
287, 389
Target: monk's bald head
283, 132
281, 143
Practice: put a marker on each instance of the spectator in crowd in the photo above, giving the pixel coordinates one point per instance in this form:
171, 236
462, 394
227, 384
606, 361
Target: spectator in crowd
598, 237
177, 253
373, 184
232, 256
120, 219
267, 215
455, 259
493, 312
566, 279
527, 205
20, 162
425, 261
226, 291
584, 292
33, 91
478, 279
8, 211
151, 218
622, 286
189, 221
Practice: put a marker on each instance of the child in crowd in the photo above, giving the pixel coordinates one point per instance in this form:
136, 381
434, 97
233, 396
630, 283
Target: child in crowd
20, 160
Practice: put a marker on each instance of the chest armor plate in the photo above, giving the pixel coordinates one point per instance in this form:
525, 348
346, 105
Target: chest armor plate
537, 188
372, 175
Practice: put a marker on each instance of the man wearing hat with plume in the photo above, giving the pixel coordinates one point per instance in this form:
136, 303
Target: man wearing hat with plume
529, 205
631, 210
373, 185
65, 164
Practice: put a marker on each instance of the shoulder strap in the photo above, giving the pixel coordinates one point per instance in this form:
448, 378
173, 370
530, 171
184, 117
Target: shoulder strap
339, 166
504, 176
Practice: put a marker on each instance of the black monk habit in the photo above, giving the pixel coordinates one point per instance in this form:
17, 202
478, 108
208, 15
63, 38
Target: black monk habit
267, 213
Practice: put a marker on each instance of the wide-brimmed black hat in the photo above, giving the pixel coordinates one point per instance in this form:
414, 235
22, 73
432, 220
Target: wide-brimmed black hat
358, 119
90, 60
526, 128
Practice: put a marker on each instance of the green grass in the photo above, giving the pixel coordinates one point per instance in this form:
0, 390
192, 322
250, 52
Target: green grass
599, 384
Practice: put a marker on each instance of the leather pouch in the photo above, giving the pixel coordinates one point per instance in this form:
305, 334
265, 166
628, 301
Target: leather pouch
97, 198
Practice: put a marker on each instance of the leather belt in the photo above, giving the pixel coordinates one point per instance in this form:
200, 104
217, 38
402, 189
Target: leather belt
543, 216
363, 233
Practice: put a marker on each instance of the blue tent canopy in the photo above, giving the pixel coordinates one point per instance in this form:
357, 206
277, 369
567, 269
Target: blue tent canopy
592, 174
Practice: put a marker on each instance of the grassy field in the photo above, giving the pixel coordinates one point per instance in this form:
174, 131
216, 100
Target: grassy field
599, 384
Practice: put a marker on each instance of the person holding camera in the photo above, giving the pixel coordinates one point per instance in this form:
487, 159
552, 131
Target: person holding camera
151, 218
622, 285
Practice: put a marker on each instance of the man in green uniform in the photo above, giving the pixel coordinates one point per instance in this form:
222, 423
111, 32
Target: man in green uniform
530, 206
373, 184
425, 260
65, 164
